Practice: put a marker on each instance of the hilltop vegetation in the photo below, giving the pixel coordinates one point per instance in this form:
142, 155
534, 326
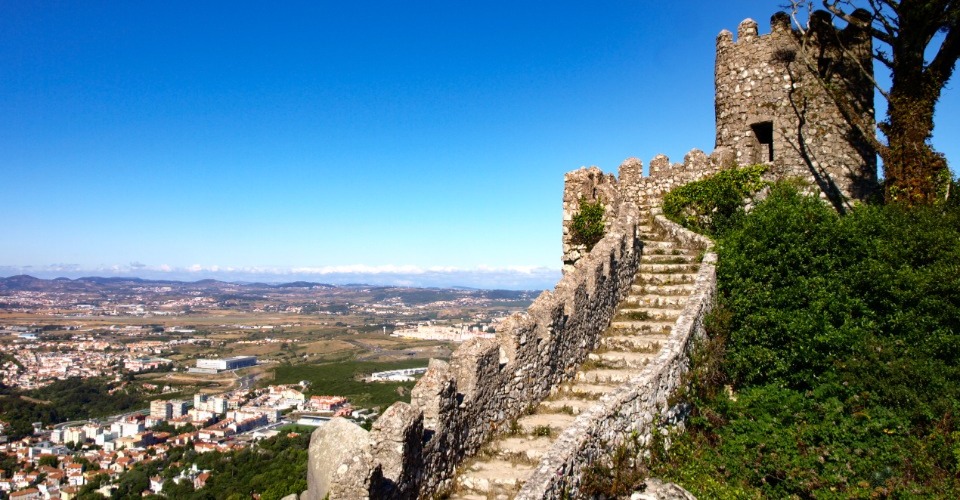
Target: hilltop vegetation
271, 469
834, 359
64, 400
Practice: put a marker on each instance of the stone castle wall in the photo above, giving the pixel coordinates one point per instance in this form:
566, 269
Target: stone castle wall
770, 109
413, 449
640, 407
630, 186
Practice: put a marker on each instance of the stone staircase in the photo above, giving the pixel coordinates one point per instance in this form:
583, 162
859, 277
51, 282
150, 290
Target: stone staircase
642, 325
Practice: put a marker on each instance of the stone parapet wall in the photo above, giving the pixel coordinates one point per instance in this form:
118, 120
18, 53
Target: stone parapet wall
666, 176
413, 449
590, 185
639, 408
686, 237
631, 186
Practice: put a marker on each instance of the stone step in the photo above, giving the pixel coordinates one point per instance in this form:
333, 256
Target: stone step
655, 243
566, 404
679, 250
668, 259
636, 313
528, 449
656, 300
493, 476
473, 496
668, 268
684, 290
624, 359
636, 343
613, 376
538, 423
588, 391
642, 327
665, 278
652, 235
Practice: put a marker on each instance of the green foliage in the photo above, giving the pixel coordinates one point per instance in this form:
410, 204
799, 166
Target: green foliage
273, 468
841, 343
69, 399
586, 227
622, 475
542, 431
711, 205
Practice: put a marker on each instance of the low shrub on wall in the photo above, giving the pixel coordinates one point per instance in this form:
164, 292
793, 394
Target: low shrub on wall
711, 205
587, 227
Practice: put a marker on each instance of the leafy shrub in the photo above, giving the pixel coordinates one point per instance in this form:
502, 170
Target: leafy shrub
587, 227
711, 205
843, 351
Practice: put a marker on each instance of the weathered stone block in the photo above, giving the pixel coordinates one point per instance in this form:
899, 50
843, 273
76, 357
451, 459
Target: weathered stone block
339, 463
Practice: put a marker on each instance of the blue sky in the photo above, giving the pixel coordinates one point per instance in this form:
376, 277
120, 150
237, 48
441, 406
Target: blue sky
389, 141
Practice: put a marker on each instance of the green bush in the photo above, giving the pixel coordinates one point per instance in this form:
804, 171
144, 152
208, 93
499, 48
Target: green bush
711, 205
842, 348
587, 226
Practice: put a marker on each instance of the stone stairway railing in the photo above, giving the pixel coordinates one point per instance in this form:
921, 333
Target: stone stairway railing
643, 329
641, 406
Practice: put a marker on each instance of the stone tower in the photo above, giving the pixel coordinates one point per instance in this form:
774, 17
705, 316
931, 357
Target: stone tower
773, 106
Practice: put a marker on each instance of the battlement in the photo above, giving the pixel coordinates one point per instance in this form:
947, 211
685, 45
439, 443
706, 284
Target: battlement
821, 25
457, 406
630, 186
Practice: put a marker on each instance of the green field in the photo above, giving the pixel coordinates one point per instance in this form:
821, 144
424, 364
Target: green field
344, 379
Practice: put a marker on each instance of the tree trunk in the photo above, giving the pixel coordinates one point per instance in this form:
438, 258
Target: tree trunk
915, 173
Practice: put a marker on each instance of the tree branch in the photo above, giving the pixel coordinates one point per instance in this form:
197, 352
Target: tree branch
941, 68
882, 35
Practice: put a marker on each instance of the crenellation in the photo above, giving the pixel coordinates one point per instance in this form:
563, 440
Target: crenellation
747, 30
724, 38
590, 184
659, 165
397, 442
630, 171
780, 24
436, 389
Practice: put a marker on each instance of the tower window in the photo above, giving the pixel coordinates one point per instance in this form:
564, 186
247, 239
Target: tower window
763, 131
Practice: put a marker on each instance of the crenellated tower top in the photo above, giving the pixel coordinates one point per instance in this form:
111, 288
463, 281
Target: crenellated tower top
801, 101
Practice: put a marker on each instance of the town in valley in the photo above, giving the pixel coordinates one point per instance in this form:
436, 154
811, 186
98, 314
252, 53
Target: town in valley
211, 365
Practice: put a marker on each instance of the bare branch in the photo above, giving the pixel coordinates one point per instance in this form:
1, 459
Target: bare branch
884, 58
847, 18
843, 103
890, 26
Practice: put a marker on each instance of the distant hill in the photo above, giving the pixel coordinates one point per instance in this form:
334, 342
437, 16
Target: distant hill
408, 294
